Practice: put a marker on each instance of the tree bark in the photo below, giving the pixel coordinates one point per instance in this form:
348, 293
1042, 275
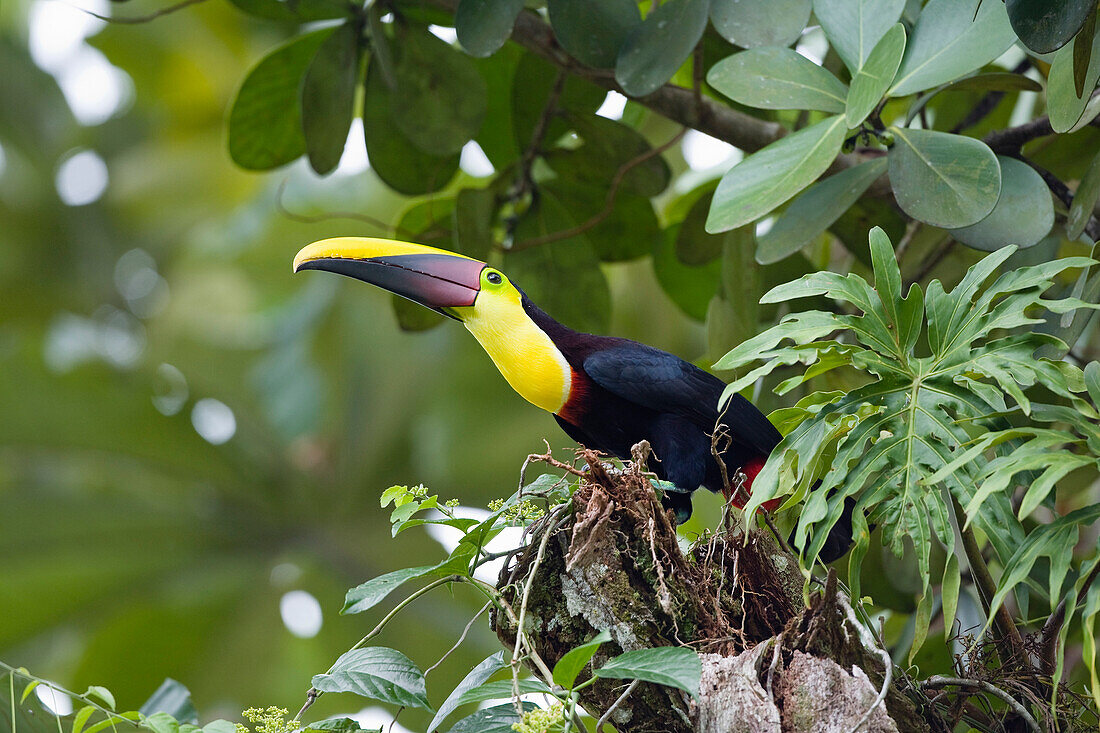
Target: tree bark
770, 662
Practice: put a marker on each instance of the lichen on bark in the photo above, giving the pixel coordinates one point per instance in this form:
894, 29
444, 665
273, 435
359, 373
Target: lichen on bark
615, 564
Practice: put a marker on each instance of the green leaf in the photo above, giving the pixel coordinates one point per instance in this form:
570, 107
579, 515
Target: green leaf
815, 210
948, 41
400, 164
777, 78
1092, 380
1084, 200
625, 232
377, 673
301, 11
173, 699
610, 147
942, 179
998, 81
474, 678
673, 666
369, 594
1023, 215
473, 222
341, 725
573, 662
440, 99
1047, 25
413, 317
767, 178
691, 287
562, 276
161, 723
874, 77
1064, 106
659, 45
922, 619
28, 690
1054, 541
853, 27
265, 121
772, 23
225, 726
1082, 53
102, 694
497, 719
501, 689
81, 718
593, 33
531, 88
949, 592
328, 94
484, 25
694, 245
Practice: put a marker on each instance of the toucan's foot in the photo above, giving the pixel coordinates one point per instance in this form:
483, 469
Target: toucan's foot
680, 504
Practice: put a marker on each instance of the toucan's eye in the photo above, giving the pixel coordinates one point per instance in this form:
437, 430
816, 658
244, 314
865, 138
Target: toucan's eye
494, 277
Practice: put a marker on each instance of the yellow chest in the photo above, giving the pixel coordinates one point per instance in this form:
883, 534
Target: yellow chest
523, 353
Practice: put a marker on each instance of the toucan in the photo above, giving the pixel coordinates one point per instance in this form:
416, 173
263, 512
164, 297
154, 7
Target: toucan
606, 393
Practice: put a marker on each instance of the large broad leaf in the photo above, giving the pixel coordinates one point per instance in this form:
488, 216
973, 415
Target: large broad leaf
563, 276
853, 27
484, 25
894, 442
949, 41
1023, 215
625, 232
815, 210
501, 690
439, 100
667, 665
328, 92
531, 90
749, 24
403, 166
691, 288
573, 662
777, 78
1047, 25
173, 698
475, 678
377, 673
659, 45
265, 121
1064, 106
610, 154
767, 178
367, 595
496, 719
874, 76
594, 33
1084, 201
942, 179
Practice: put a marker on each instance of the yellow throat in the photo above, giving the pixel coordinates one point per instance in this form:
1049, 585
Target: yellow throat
521, 350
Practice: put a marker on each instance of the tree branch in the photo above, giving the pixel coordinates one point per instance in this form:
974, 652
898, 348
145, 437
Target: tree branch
671, 101
1020, 710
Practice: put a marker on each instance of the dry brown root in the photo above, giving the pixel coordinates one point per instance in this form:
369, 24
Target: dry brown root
769, 662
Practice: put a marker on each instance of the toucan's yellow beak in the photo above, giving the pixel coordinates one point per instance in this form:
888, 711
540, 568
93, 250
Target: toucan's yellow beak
434, 278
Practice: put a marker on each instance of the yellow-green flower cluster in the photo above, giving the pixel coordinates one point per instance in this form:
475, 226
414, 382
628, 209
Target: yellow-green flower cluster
541, 720
523, 511
269, 720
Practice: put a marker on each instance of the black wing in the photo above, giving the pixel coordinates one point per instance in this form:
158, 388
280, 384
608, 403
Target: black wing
664, 382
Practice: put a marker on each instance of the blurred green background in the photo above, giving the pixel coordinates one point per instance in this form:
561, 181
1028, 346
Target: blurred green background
192, 440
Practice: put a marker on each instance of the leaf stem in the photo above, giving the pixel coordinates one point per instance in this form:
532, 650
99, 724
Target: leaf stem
1009, 642
313, 693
